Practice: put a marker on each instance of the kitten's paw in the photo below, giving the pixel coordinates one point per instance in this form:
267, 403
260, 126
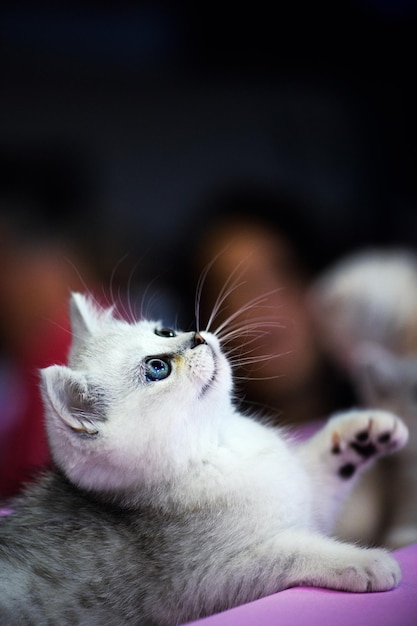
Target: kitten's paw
370, 570
358, 437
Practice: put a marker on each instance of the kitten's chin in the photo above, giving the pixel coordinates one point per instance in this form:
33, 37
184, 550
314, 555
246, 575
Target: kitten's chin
212, 378
220, 378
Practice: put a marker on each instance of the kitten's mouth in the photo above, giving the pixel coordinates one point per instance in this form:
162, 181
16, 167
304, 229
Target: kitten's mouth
207, 386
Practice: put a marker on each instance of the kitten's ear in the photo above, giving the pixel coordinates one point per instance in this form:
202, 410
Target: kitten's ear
71, 400
85, 317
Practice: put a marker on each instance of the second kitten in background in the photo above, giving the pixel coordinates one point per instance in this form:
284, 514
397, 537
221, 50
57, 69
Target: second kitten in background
365, 315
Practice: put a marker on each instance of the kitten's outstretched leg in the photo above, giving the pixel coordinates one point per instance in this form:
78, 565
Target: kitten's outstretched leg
319, 561
340, 451
297, 557
292, 558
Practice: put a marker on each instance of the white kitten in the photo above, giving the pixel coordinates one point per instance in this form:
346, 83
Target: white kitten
168, 504
371, 297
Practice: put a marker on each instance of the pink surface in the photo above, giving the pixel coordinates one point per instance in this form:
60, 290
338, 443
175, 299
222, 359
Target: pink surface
304, 606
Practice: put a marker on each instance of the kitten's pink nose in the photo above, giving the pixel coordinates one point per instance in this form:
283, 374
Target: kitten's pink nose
197, 340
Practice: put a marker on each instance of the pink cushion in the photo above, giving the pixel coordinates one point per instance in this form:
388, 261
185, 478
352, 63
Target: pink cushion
304, 606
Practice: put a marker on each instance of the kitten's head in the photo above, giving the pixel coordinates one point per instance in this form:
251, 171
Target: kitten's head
370, 296
136, 403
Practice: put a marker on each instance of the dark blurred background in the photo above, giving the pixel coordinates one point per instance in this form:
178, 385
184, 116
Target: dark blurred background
128, 129
136, 112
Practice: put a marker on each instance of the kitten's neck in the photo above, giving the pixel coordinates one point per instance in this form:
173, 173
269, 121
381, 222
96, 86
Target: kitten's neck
162, 468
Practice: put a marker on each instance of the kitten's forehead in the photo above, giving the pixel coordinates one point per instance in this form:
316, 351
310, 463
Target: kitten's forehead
94, 325
145, 334
123, 338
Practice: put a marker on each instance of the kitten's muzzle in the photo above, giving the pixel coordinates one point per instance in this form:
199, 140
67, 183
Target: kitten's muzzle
197, 340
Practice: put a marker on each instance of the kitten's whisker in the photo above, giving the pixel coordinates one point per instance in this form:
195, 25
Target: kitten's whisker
257, 358
112, 277
121, 303
247, 340
67, 331
78, 274
131, 309
147, 300
248, 356
231, 284
252, 360
221, 299
257, 302
246, 378
263, 320
199, 288
260, 328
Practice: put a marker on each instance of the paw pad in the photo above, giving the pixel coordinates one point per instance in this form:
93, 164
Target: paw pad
366, 451
347, 471
384, 438
359, 436
362, 436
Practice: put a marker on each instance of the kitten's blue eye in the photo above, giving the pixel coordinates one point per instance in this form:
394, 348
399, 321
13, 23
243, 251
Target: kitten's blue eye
165, 332
157, 369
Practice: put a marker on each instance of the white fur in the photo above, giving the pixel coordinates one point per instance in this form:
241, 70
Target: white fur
181, 442
370, 296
